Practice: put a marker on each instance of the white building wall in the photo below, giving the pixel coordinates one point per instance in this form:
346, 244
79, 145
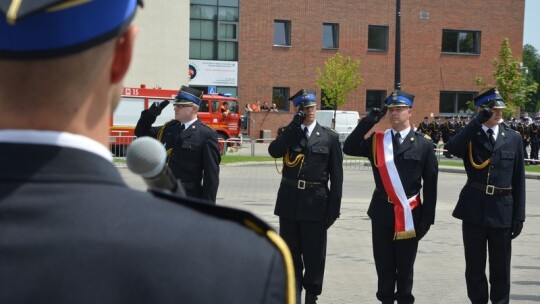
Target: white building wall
161, 57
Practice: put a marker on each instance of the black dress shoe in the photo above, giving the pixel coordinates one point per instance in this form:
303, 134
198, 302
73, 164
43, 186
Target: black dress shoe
311, 298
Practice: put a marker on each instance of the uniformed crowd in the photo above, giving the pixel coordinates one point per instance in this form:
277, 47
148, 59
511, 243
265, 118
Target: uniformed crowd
528, 128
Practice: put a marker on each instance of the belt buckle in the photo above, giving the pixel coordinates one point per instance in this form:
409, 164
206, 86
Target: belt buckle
301, 184
490, 189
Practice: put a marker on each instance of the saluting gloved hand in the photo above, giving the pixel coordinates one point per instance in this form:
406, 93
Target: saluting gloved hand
517, 226
421, 230
330, 221
376, 114
156, 108
486, 113
298, 118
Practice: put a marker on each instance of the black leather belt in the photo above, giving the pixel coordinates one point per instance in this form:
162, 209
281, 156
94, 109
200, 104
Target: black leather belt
489, 189
301, 184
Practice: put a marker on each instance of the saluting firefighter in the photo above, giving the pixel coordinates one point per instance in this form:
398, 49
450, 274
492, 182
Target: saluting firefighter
309, 196
403, 163
492, 202
424, 126
192, 147
435, 130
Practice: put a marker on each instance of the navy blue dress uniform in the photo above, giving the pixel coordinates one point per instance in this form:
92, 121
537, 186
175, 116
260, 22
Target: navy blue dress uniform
192, 153
447, 131
492, 202
309, 196
424, 126
71, 230
534, 131
435, 130
524, 130
417, 166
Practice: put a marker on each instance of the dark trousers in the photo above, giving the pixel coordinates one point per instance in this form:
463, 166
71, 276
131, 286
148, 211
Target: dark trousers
497, 241
307, 243
534, 150
394, 261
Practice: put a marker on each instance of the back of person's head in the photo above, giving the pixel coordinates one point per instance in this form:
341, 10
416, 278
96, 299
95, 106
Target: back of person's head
59, 65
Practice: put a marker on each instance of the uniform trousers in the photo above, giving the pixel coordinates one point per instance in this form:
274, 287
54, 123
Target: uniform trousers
307, 243
499, 245
394, 262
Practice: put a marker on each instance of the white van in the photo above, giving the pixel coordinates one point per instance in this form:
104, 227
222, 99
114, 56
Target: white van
346, 121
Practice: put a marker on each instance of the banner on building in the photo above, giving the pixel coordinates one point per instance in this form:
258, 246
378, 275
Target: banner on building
213, 73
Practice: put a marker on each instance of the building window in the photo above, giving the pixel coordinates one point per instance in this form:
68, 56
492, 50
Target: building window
228, 31
455, 102
374, 99
214, 30
330, 36
280, 96
461, 42
282, 32
377, 38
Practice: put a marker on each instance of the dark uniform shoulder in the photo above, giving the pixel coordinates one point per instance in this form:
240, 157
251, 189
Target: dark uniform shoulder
281, 129
249, 222
509, 129
329, 129
422, 135
206, 127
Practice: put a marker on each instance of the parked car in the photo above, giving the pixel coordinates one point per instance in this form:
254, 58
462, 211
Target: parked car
343, 122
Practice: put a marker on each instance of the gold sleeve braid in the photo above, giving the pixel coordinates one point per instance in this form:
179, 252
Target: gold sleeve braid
160, 136
280, 244
374, 148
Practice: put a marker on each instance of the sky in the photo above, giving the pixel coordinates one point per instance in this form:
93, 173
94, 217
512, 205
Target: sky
531, 33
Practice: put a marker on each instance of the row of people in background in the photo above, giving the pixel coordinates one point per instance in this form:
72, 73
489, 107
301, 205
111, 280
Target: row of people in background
257, 107
529, 131
526, 126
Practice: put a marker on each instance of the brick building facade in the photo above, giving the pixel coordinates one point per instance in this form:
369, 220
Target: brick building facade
426, 70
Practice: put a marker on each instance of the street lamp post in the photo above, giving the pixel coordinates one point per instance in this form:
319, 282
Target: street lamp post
397, 63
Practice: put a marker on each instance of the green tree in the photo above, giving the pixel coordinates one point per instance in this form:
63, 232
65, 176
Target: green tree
339, 78
531, 61
511, 80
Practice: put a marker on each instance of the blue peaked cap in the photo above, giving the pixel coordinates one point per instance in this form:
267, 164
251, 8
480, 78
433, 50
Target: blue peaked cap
399, 99
35, 29
305, 97
489, 95
187, 95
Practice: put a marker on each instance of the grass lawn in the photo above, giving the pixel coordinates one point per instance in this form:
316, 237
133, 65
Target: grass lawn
227, 159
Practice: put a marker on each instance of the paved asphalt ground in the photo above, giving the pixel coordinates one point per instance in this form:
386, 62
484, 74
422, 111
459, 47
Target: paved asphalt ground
350, 275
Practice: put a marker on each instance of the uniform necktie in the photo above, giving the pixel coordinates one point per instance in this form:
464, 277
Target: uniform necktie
397, 138
182, 127
491, 137
306, 132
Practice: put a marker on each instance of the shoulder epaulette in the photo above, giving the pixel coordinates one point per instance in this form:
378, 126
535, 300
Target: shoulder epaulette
249, 221
329, 129
202, 124
423, 135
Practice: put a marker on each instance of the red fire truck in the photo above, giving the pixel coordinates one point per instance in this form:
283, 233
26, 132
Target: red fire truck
134, 100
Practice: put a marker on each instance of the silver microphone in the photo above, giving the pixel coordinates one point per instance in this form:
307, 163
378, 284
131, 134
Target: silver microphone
147, 157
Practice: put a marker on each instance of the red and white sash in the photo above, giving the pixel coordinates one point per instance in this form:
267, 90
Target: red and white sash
384, 156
